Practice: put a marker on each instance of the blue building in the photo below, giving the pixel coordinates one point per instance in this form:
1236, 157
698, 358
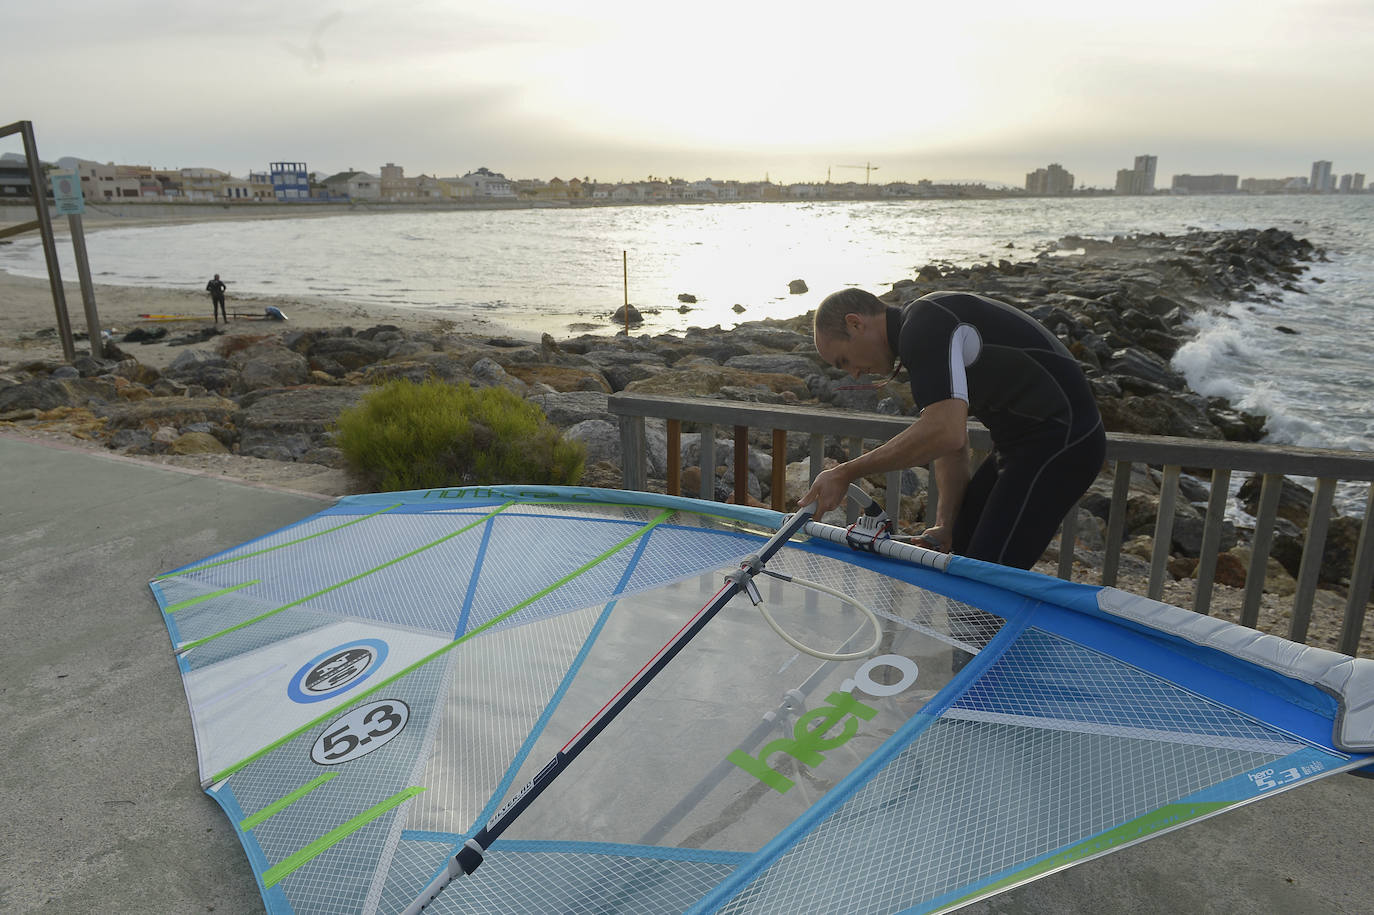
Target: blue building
290, 181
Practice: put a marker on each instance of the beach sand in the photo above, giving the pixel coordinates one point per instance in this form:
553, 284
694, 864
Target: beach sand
28, 318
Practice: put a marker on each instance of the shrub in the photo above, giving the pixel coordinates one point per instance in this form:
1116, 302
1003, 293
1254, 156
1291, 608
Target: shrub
406, 435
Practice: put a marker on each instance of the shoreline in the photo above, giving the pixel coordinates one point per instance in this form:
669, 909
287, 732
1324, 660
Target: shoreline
28, 318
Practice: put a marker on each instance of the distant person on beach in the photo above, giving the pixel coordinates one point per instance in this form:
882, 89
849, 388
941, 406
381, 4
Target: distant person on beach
216, 289
970, 355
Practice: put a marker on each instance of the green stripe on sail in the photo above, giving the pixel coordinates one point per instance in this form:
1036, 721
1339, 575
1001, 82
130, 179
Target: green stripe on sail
591, 563
347, 581
192, 601
277, 806
1166, 817
284, 868
337, 527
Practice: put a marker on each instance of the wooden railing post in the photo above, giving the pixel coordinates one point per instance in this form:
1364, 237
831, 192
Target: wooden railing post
1361, 580
1259, 548
779, 481
1211, 539
741, 465
674, 476
1116, 522
706, 456
1314, 543
1164, 530
632, 453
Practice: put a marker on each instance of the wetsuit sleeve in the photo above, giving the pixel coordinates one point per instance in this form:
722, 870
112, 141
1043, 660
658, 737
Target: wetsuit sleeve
932, 353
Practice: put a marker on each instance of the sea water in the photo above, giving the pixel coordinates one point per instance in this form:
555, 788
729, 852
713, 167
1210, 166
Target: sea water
566, 270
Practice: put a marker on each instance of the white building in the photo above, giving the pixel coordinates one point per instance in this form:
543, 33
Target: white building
486, 183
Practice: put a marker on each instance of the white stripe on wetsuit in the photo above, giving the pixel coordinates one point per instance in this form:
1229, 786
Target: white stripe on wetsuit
964, 346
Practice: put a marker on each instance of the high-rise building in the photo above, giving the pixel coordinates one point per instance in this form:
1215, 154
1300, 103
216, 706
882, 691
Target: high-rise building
1358, 184
1322, 181
1345, 183
1052, 181
1145, 169
1138, 180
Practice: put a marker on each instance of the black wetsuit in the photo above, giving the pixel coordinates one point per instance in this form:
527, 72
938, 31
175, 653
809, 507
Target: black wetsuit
1025, 387
216, 289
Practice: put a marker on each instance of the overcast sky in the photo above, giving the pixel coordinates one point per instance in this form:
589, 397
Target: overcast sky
622, 89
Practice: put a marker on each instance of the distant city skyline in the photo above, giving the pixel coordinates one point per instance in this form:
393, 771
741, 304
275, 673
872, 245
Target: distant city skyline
1051, 179
974, 92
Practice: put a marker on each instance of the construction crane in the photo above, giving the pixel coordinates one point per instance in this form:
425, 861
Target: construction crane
868, 168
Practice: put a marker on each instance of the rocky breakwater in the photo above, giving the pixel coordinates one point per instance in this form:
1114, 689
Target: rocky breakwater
1121, 307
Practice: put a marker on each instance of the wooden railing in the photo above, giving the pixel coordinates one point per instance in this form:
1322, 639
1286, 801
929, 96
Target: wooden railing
1124, 451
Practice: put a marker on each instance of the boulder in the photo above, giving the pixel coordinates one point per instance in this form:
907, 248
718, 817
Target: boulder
777, 363
197, 443
269, 366
627, 314
601, 438
700, 381
197, 367
568, 408
174, 411
561, 377
283, 425
51, 393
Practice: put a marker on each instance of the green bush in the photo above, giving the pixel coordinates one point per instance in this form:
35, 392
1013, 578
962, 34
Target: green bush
424, 436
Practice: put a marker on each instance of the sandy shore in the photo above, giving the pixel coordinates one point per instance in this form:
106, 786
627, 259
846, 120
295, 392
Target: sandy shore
28, 317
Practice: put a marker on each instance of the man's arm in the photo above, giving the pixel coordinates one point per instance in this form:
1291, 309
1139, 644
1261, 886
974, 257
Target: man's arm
940, 430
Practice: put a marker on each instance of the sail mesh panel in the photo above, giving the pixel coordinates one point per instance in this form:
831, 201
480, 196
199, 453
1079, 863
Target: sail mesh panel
970, 799
573, 883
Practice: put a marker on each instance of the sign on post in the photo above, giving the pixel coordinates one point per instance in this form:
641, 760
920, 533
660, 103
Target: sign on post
66, 194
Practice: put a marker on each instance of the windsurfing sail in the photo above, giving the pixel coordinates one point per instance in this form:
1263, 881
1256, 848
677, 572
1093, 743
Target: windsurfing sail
372, 687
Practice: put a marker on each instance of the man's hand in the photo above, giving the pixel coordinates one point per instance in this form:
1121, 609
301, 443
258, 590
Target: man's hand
936, 537
827, 490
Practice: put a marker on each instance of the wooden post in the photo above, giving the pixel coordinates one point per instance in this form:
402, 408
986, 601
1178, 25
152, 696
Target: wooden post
674, 481
83, 272
779, 482
625, 271
40, 207
741, 465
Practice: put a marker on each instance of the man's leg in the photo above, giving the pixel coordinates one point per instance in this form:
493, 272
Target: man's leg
1035, 489
980, 487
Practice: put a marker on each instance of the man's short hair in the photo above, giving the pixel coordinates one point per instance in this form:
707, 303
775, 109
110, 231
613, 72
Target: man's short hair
829, 320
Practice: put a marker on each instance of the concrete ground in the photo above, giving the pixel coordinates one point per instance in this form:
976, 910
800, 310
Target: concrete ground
102, 811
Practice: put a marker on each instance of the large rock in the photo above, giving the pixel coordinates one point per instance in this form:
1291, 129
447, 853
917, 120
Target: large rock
51, 393
209, 371
602, 440
154, 412
269, 366
1141, 363
197, 443
568, 408
281, 423
1157, 415
777, 363
700, 381
560, 377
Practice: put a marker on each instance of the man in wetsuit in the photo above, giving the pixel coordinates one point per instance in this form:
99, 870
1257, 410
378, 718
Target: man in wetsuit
970, 355
216, 289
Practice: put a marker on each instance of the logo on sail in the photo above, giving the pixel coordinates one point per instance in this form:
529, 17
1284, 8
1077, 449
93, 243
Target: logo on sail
337, 670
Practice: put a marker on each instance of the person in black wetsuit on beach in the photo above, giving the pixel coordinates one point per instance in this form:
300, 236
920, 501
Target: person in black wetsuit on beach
216, 289
968, 355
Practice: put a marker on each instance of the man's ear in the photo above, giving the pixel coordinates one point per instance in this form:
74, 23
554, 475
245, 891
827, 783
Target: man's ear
854, 323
